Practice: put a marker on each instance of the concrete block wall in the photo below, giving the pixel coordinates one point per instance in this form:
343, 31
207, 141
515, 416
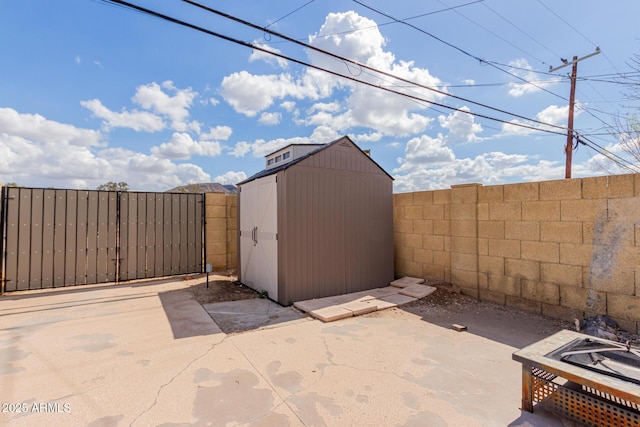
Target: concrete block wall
565, 249
221, 230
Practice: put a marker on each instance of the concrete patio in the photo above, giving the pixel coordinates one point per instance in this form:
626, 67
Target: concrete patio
148, 354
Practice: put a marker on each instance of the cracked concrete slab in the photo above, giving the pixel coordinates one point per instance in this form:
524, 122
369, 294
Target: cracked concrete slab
248, 314
148, 354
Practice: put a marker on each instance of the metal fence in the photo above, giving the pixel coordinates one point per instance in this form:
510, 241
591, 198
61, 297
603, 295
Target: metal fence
55, 238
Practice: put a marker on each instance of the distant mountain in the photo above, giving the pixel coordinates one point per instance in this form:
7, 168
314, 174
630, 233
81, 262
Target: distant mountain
204, 187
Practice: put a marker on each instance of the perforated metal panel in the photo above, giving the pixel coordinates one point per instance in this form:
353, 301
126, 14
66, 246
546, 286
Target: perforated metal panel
582, 403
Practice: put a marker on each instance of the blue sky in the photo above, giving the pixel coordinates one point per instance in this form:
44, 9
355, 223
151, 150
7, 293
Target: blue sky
91, 93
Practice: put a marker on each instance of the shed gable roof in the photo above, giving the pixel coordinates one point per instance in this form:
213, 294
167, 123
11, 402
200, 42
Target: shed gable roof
344, 139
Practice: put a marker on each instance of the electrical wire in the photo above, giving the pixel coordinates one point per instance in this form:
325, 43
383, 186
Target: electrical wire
363, 66
340, 33
522, 31
459, 49
620, 161
577, 31
580, 138
290, 13
496, 35
334, 73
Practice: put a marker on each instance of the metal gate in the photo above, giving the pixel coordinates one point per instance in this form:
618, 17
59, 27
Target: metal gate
55, 238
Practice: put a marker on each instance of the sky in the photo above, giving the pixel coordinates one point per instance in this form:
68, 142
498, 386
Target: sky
91, 92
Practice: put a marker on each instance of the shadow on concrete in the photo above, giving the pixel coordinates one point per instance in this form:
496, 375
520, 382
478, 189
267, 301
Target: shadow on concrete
76, 289
185, 315
249, 314
505, 325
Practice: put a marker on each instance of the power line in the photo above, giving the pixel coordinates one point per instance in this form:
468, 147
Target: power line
459, 49
339, 33
576, 30
497, 35
620, 161
363, 66
522, 31
290, 13
300, 62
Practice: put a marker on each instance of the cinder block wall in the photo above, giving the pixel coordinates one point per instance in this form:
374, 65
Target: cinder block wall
566, 249
221, 213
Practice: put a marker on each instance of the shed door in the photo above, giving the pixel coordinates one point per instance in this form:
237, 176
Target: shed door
258, 235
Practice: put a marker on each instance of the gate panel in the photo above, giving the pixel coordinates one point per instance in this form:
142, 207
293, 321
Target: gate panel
150, 230
48, 222
184, 236
199, 232
74, 239
12, 226
37, 206
191, 233
141, 259
92, 237
78, 211
167, 235
55, 238
59, 222
102, 260
124, 237
24, 240
159, 235
175, 234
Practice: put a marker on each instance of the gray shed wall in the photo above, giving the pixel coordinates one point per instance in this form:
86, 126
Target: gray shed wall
335, 225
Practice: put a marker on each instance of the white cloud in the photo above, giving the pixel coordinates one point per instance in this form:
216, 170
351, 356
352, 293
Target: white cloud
288, 106
329, 107
241, 149
383, 112
35, 151
470, 82
262, 147
176, 108
230, 177
270, 119
151, 173
182, 146
136, 120
37, 128
554, 114
430, 164
367, 137
249, 94
258, 55
522, 69
370, 107
461, 125
217, 133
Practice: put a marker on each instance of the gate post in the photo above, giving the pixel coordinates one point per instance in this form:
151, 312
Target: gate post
118, 260
3, 235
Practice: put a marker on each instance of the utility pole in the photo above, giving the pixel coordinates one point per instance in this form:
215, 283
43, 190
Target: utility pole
572, 98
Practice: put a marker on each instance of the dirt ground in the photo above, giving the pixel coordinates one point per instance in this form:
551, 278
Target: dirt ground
445, 307
223, 286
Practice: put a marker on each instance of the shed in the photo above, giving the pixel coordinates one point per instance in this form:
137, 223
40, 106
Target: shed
316, 222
